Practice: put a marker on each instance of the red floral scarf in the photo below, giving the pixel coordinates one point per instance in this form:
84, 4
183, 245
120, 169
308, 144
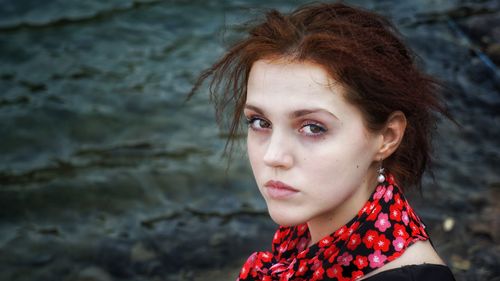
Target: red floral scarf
380, 232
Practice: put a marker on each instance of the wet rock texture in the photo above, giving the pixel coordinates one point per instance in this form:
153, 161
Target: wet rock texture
106, 174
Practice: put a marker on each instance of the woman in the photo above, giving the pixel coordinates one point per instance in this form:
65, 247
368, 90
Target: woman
339, 121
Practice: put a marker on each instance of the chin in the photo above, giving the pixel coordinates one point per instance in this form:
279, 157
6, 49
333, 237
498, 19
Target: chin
285, 217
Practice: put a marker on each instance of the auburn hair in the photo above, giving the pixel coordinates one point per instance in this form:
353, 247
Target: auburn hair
359, 49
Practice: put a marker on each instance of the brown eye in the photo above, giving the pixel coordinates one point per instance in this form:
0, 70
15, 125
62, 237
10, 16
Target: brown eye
258, 123
263, 123
312, 130
315, 129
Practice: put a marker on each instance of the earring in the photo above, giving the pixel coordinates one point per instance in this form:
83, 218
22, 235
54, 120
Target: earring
381, 176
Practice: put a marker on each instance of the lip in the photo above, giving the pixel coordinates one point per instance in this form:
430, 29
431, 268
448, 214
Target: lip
279, 190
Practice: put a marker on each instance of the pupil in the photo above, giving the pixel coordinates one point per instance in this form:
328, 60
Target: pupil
315, 129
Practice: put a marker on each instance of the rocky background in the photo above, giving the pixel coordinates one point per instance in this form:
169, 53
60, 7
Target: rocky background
107, 174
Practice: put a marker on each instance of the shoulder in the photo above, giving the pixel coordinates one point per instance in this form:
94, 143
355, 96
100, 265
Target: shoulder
428, 272
420, 253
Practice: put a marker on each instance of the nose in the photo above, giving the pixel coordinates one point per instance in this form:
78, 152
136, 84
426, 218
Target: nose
278, 153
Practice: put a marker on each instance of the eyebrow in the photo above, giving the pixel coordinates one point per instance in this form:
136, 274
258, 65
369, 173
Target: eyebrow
294, 114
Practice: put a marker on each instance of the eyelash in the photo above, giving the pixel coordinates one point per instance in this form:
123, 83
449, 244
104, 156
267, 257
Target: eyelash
323, 130
252, 119
314, 124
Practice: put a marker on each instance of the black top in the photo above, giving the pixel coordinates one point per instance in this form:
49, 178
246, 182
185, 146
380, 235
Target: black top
427, 272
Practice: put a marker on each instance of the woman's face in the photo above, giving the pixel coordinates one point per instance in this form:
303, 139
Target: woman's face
311, 155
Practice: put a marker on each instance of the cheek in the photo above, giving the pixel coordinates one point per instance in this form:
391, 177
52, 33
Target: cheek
345, 156
254, 150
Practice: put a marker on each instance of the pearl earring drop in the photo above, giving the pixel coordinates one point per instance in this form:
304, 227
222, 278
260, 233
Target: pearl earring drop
381, 177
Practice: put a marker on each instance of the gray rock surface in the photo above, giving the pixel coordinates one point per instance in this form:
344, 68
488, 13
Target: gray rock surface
106, 174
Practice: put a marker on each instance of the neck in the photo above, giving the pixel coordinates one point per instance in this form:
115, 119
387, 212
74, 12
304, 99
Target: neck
326, 224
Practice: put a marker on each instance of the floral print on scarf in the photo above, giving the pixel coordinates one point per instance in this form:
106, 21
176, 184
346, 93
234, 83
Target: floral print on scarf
380, 232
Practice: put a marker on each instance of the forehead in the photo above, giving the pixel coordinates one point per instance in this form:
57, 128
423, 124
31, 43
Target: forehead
303, 74
281, 87
291, 80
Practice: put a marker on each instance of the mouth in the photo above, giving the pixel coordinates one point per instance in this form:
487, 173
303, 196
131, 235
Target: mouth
279, 190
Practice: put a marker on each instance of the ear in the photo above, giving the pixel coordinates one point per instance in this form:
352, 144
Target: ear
392, 134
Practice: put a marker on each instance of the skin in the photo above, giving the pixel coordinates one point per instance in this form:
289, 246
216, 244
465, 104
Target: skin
303, 133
